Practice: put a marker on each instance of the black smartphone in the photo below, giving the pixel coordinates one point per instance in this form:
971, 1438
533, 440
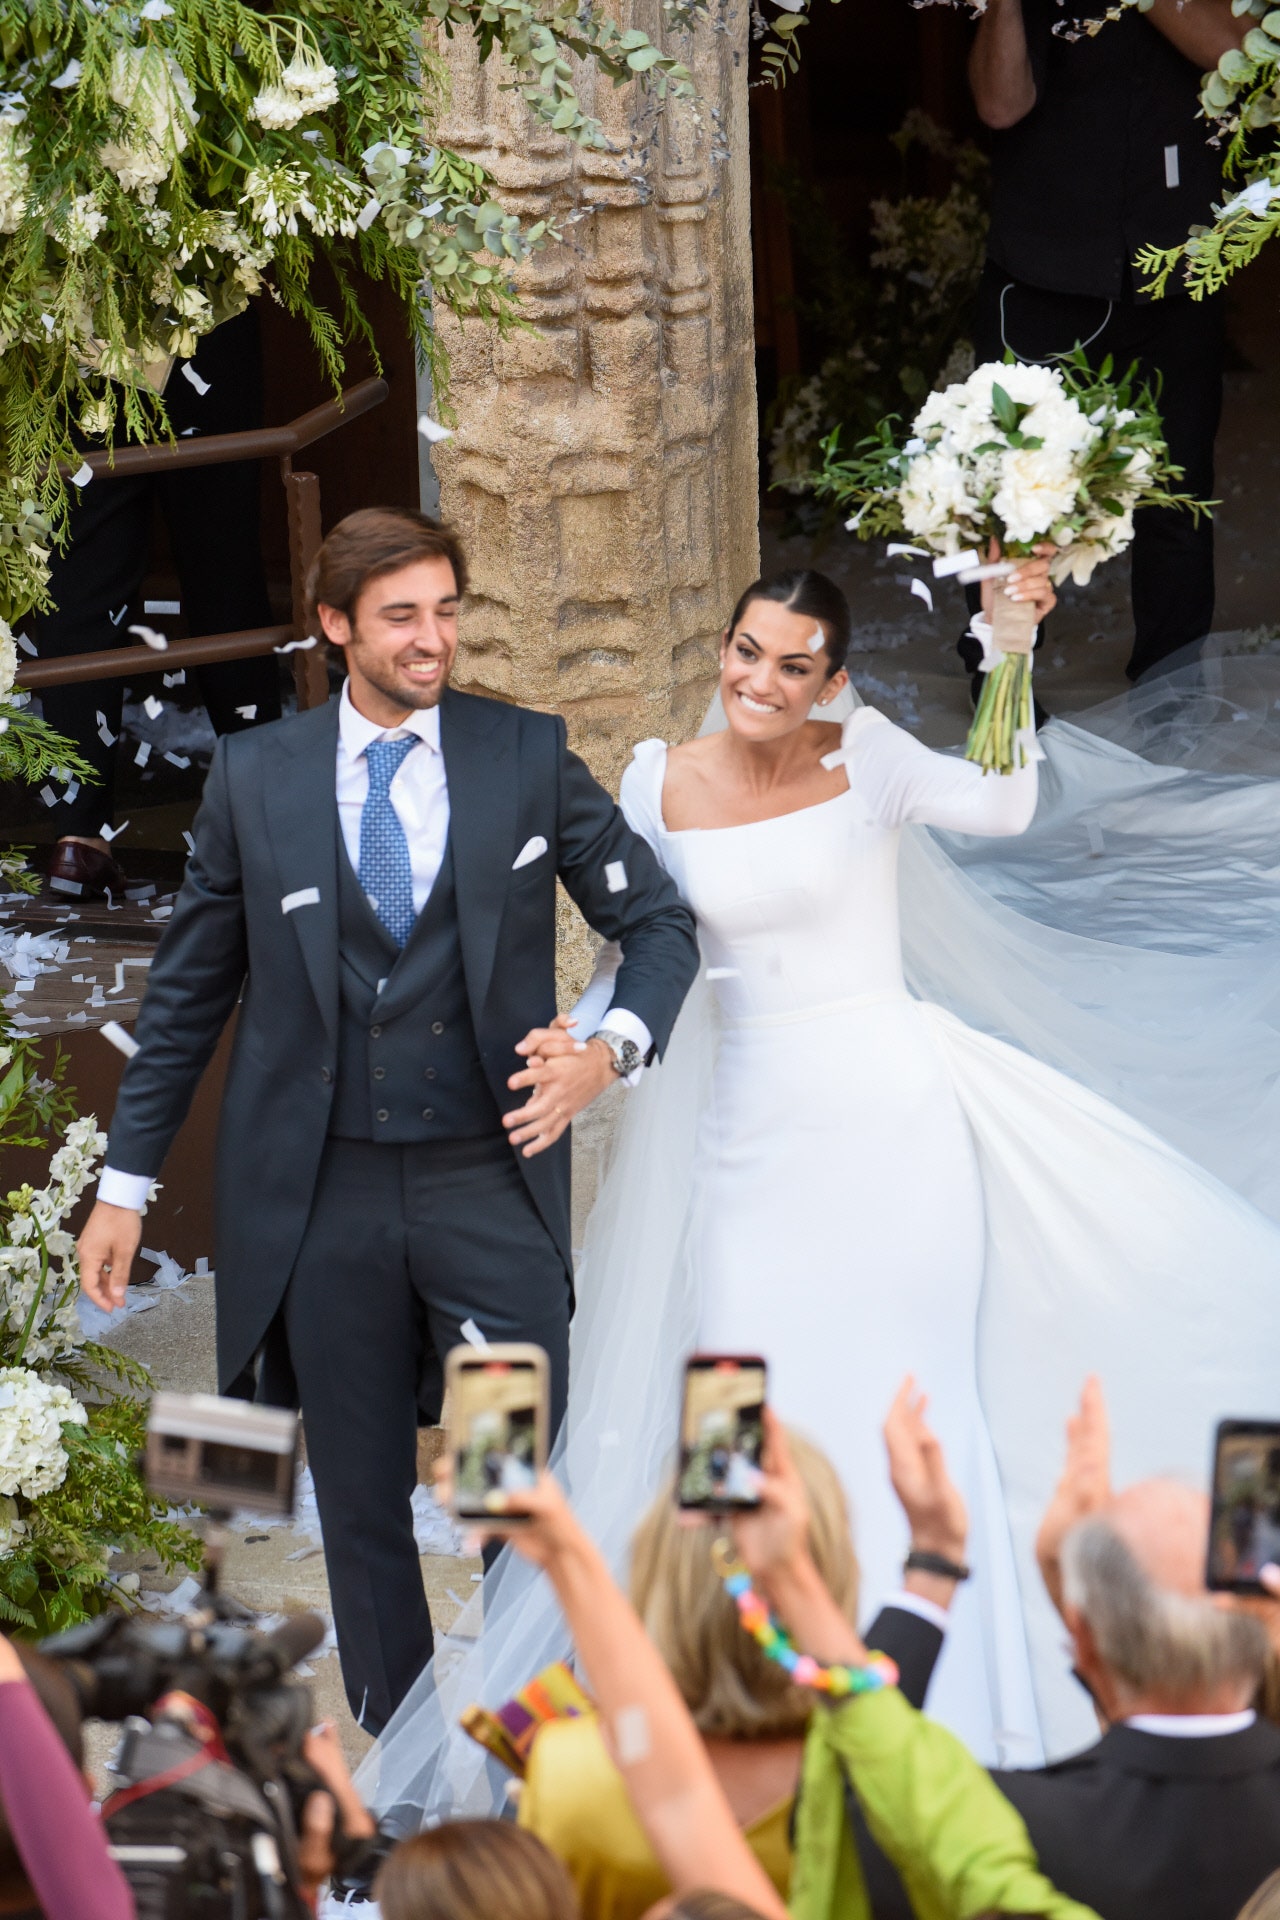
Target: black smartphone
1244, 1530
721, 1432
499, 1405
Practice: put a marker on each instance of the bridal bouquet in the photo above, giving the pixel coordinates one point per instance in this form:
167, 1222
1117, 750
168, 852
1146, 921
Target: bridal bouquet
1016, 455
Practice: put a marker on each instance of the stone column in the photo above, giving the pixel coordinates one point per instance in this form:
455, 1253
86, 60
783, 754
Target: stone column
604, 472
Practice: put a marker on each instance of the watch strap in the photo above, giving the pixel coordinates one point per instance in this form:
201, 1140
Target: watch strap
919, 1560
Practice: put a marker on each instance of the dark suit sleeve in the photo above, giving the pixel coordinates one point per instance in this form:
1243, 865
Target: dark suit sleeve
912, 1643
641, 909
194, 982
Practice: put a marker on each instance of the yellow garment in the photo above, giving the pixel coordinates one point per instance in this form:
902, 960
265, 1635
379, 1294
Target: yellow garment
575, 1801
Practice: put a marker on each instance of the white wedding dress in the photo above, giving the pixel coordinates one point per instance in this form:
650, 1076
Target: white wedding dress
835, 1172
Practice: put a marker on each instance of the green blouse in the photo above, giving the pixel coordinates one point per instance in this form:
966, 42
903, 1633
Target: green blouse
960, 1847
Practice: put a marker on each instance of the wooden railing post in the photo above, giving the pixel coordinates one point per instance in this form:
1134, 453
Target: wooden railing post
310, 664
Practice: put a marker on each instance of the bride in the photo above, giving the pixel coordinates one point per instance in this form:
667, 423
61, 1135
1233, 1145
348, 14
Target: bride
848, 1180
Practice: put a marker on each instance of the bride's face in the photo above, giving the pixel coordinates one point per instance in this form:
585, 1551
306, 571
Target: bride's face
773, 668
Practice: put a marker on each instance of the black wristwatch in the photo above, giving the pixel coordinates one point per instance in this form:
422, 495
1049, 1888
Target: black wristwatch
627, 1057
919, 1560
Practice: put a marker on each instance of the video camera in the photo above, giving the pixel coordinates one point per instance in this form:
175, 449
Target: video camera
212, 1781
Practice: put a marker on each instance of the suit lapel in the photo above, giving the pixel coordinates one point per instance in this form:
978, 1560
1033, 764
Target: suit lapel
303, 827
477, 739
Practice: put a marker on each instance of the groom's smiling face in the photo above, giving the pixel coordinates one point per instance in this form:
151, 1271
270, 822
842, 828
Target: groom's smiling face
400, 640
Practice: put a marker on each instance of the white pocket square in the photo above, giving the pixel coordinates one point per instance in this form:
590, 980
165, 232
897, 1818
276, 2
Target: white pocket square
304, 897
530, 851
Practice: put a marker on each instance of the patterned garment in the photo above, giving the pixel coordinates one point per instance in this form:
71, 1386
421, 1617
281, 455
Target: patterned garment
385, 870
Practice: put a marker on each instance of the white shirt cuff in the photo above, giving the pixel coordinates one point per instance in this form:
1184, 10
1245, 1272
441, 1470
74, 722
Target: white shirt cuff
925, 1609
631, 1027
124, 1189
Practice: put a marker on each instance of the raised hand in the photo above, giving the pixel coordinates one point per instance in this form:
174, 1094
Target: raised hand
1084, 1488
930, 1498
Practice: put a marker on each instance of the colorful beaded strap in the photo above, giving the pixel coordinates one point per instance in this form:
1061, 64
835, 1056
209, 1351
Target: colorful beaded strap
776, 1644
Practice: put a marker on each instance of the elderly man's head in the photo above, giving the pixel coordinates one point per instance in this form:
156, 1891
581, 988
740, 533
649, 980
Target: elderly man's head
1148, 1638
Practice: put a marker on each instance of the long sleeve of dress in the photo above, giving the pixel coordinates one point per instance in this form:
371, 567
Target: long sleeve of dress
905, 783
931, 1808
59, 1839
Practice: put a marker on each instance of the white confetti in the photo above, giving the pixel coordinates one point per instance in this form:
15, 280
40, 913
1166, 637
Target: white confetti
83, 475
49, 797
615, 876
178, 759
48, 322
109, 833
58, 885
368, 214
723, 973
144, 752
178, 679
152, 707
948, 563
247, 713
124, 1042
202, 1265
105, 734
28, 646
161, 913
295, 646
189, 837
922, 592
162, 606
631, 1735
116, 618
304, 897
73, 788
895, 547
189, 373
473, 1336
139, 893
150, 638
817, 640
431, 430
69, 76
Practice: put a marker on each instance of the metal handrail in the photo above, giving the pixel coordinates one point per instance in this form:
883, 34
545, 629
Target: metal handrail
302, 498
255, 443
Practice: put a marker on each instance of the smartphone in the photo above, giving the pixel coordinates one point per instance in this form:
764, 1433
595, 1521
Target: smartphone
1244, 1529
499, 1400
721, 1432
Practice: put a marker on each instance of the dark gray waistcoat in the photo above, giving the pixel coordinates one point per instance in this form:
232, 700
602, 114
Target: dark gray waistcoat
408, 1063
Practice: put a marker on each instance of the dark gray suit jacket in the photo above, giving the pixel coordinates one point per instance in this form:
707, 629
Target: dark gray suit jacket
268, 828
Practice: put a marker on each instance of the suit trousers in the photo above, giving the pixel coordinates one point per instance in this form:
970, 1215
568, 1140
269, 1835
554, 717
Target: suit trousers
403, 1245
211, 514
1178, 345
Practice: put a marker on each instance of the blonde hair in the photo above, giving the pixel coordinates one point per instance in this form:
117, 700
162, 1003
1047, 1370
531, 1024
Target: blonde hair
475, 1870
729, 1687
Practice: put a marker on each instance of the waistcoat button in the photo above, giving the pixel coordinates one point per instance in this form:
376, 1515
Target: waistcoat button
382, 1114
428, 1113
379, 1073
326, 1075
431, 1073
437, 1026
375, 1033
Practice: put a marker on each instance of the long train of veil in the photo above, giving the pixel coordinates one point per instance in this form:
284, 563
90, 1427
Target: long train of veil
1130, 940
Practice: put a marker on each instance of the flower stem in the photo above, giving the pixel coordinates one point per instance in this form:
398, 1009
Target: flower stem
39, 1293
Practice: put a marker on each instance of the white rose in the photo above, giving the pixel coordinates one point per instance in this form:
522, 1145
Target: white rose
1036, 488
8, 661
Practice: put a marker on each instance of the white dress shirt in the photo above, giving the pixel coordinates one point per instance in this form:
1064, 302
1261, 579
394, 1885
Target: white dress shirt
1191, 1726
420, 796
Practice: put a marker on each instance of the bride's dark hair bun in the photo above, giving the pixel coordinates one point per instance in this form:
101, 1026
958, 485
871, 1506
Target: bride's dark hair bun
812, 595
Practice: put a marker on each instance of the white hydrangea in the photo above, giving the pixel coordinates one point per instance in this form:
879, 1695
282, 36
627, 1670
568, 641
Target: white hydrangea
158, 107
15, 174
33, 1459
8, 666
82, 223
12, 1529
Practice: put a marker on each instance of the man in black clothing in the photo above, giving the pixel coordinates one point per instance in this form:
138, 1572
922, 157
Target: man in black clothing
1098, 152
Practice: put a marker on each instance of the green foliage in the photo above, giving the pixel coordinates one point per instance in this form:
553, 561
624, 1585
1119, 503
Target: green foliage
890, 321
159, 168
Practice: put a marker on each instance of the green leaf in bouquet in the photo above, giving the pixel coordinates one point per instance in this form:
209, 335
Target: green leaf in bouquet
1004, 408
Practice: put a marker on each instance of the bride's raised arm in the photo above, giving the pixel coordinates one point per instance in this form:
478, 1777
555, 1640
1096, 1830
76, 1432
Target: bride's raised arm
905, 783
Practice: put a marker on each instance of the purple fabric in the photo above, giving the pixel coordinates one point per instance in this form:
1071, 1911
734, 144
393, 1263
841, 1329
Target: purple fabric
58, 1836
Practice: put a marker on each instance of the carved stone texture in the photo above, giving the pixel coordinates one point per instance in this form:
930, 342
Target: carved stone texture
604, 473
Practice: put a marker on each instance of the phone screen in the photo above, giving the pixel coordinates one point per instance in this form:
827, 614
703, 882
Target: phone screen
496, 1421
1244, 1532
721, 1432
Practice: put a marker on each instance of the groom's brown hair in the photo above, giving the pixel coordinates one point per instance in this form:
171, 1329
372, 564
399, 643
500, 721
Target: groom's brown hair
372, 542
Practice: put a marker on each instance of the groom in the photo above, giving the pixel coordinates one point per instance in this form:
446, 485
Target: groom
375, 883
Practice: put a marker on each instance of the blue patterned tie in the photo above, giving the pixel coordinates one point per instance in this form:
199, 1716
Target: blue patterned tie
385, 872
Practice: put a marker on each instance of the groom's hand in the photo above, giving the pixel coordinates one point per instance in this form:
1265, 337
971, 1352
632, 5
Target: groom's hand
564, 1075
107, 1248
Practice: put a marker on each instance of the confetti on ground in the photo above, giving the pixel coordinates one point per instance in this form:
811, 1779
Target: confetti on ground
152, 707
144, 752
182, 760
248, 713
109, 833
178, 679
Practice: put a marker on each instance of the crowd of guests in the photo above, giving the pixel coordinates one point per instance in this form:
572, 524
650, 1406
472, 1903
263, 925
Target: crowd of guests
713, 1780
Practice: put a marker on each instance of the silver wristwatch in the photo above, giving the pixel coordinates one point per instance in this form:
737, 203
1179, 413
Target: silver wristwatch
627, 1057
